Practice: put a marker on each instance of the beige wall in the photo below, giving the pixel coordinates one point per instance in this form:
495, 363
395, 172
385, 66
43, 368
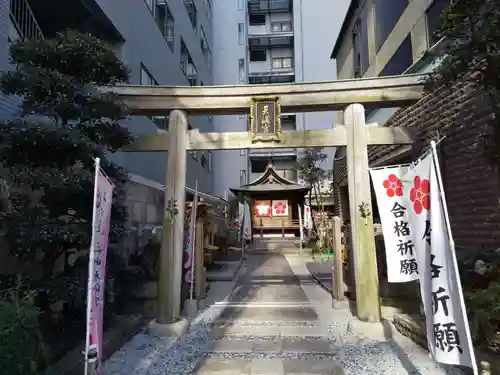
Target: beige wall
412, 22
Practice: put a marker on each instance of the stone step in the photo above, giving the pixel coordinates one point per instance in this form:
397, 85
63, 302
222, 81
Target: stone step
268, 330
258, 366
280, 346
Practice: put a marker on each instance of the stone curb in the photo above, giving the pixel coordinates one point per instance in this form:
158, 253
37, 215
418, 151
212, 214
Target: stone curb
414, 328
319, 281
124, 329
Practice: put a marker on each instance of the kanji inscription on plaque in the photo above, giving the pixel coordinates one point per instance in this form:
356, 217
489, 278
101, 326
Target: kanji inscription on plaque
265, 124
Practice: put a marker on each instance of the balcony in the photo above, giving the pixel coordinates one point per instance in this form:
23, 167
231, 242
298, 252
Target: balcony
24, 21
84, 15
269, 78
265, 42
273, 153
270, 6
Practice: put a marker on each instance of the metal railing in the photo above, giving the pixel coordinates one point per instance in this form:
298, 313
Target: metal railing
24, 20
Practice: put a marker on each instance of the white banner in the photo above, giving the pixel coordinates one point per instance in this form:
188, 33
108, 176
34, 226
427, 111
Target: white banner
399, 248
189, 249
448, 333
308, 224
247, 223
103, 197
301, 226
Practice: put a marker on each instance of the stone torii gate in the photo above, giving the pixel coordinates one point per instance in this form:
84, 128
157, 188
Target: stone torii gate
265, 103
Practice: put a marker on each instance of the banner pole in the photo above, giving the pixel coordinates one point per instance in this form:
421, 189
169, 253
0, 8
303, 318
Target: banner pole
453, 255
194, 211
91, 267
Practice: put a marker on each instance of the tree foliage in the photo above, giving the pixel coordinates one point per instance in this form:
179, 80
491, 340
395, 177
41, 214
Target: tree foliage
311, 171
471, 29
47, 153
311, 168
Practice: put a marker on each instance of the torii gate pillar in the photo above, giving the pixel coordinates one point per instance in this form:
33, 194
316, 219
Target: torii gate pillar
360, 207
171, 253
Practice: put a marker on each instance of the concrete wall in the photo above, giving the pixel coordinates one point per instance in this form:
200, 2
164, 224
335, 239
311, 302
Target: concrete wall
227, 52
144, 44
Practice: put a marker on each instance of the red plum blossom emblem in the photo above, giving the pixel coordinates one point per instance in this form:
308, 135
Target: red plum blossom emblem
419, 195
280, 208
393, 186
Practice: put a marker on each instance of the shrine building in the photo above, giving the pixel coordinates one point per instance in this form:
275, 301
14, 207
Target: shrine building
275, 202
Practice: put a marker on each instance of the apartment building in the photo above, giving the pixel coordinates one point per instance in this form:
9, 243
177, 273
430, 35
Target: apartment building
385, 37
270, 42
161, 41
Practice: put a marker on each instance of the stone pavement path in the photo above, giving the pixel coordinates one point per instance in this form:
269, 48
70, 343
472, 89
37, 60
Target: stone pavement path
277, 321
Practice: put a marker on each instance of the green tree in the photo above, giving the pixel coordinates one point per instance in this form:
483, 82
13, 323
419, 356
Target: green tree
47, 154
471, 29
310, 167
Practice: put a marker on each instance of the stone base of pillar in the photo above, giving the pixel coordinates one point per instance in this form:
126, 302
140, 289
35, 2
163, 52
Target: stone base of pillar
378, 331
191, 308
174, 330
340, 304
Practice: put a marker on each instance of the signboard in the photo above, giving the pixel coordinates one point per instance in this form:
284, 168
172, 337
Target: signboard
262, 208
265, 123
280, 208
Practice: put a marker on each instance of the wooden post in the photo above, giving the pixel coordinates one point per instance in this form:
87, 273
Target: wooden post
360, 207
337, 268
171, 254
199, 274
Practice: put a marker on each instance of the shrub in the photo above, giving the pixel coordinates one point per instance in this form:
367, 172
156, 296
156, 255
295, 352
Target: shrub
21, 345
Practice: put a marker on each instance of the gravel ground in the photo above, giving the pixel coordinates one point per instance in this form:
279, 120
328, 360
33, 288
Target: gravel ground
147, 355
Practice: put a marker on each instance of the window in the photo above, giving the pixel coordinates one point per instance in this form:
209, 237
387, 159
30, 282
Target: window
243, 177
165, 22
277, 27
147, 78
434, 19
258, 56
257, 19
241, 68
241, 34
401, 60
282, 62
192, 12
151, 5
360, 47
203, 160
208, 7
387, 17
204, 46
187, 65
161, 122
241, 4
